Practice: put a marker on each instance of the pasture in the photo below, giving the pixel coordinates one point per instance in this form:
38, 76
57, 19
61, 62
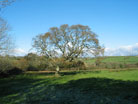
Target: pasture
116, 59
72, 87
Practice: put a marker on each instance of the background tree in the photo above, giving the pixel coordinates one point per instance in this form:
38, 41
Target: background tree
6, 44
4, 3
98, 54
5, 40
68, 42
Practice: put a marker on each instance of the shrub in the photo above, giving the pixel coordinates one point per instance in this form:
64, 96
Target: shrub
136, 64
15, 71
32, 68
79, 65
21, 64
98, 61
5, 64
7, 67
111, 65
43, 63
114, 65
121, 65
36, 63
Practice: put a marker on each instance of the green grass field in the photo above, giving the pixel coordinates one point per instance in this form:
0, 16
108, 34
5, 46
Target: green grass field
117, 59
95, 87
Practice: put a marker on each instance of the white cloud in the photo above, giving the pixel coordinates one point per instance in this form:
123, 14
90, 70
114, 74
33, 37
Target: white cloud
19, 52
122, 50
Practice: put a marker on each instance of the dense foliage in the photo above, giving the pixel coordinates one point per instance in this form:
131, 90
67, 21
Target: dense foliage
15, 65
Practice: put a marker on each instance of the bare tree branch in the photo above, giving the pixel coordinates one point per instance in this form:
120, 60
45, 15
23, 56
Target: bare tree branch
5, 40
4, 3
69, 42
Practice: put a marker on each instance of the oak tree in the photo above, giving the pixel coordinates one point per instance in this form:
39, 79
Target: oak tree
68, 42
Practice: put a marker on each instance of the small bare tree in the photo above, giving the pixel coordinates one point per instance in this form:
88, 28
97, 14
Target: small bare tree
5, 40
4, 3
98, 54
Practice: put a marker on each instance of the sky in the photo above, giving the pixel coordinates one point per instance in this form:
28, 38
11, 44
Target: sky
115, 21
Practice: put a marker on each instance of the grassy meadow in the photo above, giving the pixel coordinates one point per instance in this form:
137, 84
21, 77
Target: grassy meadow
116, 59
71, 87
112, 62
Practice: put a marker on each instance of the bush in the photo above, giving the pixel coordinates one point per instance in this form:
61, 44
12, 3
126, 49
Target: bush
112, 65
36, 63
32, 68
121, 66
7, 67
77, 65
21, 64
15, 71
98, 61
43, 64
136, 64
5, 64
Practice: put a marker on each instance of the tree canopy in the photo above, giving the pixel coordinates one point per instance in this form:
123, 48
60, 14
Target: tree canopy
66, 41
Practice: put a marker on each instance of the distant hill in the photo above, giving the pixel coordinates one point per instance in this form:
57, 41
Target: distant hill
116, 59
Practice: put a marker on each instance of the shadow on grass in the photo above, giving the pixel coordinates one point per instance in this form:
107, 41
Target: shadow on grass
12, 86
82, 91
35, 73
53, 73
94, 91
77, 72
62, 73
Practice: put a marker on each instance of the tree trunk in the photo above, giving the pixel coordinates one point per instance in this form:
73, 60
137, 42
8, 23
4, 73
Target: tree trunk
57, 71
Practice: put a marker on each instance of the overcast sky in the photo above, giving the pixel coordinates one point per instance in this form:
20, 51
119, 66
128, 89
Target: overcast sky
115, 21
